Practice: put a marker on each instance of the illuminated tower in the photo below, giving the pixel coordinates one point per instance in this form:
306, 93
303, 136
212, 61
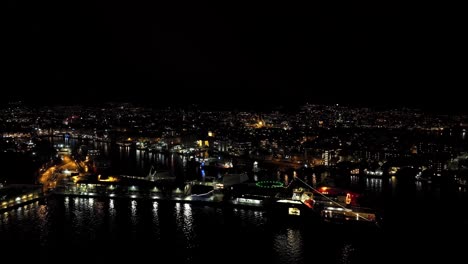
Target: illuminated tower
326, 158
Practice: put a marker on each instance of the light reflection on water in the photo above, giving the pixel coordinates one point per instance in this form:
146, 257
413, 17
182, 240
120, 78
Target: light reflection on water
185, 225
67, 205
191, 230
288, 245
374, 184
155, 219
346, 254
393, 183
111, 206
133, 215
196, 233
42, 214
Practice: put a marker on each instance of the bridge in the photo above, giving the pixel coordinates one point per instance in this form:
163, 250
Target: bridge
152, 176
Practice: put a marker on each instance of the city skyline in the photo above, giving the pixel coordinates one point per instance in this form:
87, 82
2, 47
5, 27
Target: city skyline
437, 105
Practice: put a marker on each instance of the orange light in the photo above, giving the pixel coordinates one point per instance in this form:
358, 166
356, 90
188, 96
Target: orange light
324, 190
348, 198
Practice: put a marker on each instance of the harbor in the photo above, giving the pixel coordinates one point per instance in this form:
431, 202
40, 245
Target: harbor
297, 199
86, 172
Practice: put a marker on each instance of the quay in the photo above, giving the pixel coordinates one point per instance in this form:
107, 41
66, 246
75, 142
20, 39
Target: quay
16, 195
300, 204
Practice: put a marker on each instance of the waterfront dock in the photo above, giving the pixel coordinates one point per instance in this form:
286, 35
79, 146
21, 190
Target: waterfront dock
16, 195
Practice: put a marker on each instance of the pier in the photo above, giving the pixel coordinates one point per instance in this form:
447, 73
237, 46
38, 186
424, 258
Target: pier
16, 195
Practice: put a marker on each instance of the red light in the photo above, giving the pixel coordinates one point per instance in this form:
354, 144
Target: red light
309, 203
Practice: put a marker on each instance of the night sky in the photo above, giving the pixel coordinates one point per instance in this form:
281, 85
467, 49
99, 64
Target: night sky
85, 50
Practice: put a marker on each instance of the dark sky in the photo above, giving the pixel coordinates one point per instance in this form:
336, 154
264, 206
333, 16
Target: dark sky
241, 55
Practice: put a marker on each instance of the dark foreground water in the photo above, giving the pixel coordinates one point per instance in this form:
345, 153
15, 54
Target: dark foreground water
108, 230
91, 230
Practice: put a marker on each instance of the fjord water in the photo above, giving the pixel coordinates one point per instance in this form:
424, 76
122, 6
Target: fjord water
92, 229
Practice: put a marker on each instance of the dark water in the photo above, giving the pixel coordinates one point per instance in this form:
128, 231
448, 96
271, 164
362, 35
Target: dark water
84, 229
108, 229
